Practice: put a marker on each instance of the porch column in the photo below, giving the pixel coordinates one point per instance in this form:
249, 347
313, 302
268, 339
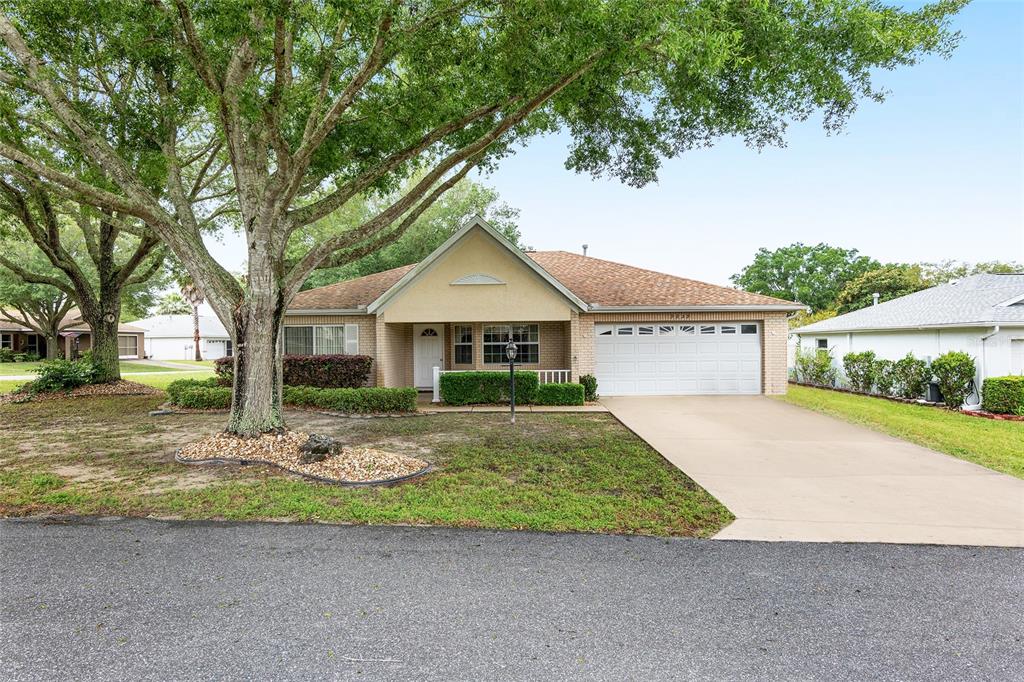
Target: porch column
382, 351
574, 343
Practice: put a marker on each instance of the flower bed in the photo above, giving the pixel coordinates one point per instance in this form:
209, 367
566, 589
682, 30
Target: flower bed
350, 466
120, 387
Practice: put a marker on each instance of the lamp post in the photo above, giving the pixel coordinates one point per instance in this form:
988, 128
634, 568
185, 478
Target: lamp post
510, 353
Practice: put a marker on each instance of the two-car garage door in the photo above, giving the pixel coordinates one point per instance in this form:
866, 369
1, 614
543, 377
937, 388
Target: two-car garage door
670, 358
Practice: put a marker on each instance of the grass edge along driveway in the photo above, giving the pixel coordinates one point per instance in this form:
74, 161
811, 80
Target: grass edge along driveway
997, 445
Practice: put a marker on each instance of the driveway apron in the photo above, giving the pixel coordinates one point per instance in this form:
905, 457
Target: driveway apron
788, 473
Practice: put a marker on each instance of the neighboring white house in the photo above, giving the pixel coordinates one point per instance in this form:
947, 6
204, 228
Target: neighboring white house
170, 337
982, 315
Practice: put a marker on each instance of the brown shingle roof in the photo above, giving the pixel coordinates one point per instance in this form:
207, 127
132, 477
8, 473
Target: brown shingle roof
350, 294
606, 283
71, 322
598, 282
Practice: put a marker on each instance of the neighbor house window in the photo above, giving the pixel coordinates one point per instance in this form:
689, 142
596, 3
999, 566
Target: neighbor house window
322, 340
6, 340
32, 343
526, 337
127, 345
822, 344
463, 344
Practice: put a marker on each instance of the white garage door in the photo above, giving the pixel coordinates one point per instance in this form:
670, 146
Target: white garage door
677, 359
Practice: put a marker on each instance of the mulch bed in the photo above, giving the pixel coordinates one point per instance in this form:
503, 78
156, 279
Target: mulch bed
351, 466
120, 387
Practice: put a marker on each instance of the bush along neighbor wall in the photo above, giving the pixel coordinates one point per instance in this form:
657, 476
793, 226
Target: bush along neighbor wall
1003, 395
322, 371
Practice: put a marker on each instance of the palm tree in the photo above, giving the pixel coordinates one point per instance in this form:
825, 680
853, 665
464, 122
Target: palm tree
195, 298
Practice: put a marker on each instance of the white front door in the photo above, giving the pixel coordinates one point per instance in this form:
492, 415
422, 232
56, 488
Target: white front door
427, 352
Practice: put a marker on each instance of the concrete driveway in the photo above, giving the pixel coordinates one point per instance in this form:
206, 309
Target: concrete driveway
791, 474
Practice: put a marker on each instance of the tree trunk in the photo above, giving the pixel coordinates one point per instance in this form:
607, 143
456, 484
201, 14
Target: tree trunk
104, 350
195, 332
52, 346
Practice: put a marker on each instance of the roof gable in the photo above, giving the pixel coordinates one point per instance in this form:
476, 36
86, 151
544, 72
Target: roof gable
477, 225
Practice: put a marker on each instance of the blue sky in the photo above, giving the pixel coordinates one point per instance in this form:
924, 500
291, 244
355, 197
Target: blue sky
936, 172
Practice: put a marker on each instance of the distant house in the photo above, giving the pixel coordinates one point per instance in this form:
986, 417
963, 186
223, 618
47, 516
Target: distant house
982, 315
75, 338
170, 337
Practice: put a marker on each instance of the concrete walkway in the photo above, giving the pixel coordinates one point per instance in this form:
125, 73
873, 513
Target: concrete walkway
791, 474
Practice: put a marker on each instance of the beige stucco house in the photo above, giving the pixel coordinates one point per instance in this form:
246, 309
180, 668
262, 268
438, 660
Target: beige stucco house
639, 332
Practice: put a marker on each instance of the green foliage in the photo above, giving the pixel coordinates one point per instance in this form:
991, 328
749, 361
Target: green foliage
885, 376
6, 355
945, 271
173, 304
1004, 395
62, 375
560, 394
803, 318
203, 397
812, 275
889, 281
483, 388
954, 372
815, 366
353, 400
177, 387
589, 382
31, 357
860, 370
462, 203
910, 375
323, 371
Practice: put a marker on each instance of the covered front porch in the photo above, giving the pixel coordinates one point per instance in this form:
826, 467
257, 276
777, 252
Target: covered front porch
416, 353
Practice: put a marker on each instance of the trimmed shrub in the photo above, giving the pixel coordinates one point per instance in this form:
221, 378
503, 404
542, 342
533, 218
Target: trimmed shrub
6, 355
352, 400
909, 377
885, 376
815, 367
481, 388
324, 371
63, 375
1004, 395
560, 394
860, 370
32, 357
204, 397
589, 382
175, 389
954, 372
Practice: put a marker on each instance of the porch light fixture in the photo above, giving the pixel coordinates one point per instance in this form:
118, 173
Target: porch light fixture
510, 353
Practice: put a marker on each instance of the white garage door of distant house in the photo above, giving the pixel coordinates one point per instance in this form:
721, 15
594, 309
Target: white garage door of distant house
669, 358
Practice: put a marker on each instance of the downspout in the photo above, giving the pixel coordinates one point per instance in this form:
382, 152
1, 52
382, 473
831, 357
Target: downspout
984, 337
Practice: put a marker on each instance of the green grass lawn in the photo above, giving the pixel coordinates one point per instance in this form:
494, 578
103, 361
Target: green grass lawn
159, 380
190, 363
551, 472
998, 445
26, 368
8, 369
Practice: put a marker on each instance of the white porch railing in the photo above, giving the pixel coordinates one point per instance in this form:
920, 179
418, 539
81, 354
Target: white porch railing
544, 376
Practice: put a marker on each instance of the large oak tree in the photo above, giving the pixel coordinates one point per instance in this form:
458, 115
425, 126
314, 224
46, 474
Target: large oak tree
311, 103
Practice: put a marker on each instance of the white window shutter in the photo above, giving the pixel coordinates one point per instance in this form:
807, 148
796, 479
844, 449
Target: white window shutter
352, 339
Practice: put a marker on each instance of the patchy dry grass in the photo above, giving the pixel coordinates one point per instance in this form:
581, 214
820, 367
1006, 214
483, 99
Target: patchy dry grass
556, 472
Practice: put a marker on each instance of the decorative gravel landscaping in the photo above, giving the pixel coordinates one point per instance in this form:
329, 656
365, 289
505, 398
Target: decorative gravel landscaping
348, 465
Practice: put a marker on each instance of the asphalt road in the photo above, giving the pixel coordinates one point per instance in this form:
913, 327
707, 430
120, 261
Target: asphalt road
141, 600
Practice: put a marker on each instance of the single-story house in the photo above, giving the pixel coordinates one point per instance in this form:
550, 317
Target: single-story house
76, 338
639, 332
982, 315
171, 337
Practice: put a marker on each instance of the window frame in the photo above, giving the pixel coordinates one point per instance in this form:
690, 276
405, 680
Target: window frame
532, 346
818, 344
458, 343
748, 325
345, 339
135, 343
704, 329
7, 340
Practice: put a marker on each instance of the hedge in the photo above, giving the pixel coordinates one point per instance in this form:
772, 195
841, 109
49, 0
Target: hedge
361, 400
560, 394
482, 388
1003, 394
207, 394
323, 371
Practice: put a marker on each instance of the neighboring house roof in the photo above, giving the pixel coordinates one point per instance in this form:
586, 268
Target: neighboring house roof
591, 283
978, 300
180, 326
71, 322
